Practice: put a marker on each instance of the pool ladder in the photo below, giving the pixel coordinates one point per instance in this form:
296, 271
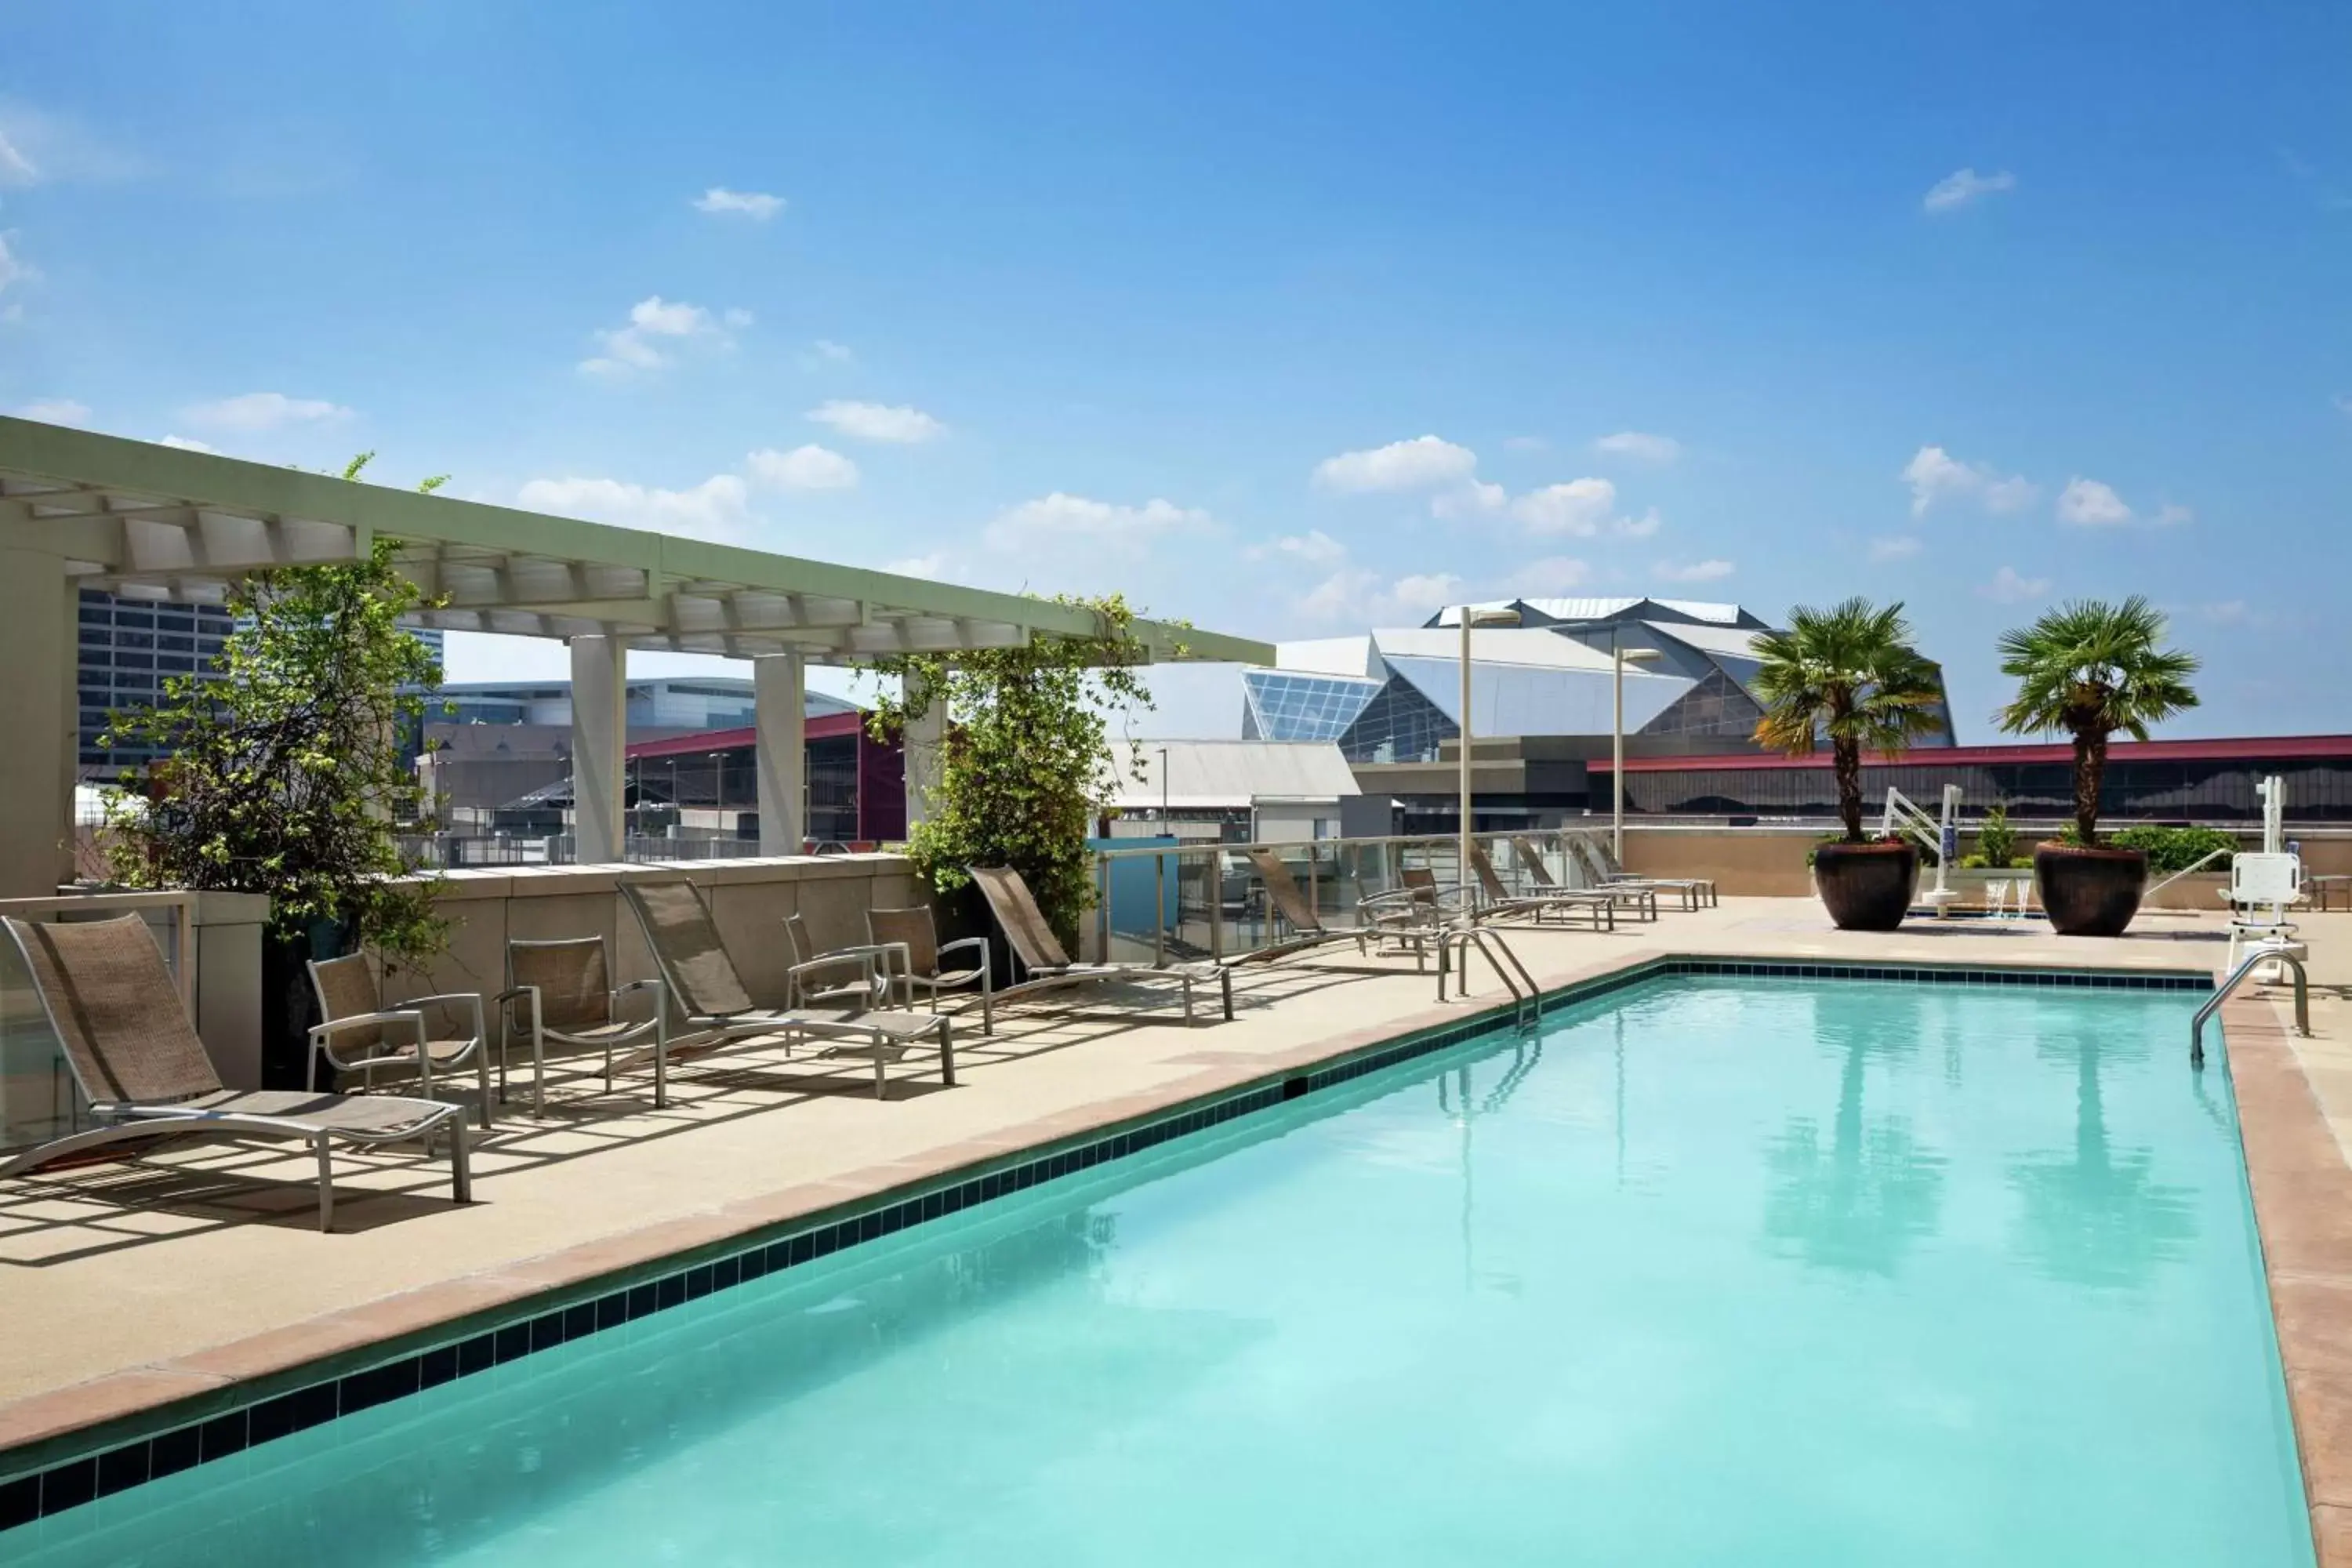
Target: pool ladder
2237, 977
1527, 999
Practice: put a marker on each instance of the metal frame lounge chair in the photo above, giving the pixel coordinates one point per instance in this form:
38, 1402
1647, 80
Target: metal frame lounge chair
1044, 963
708, 990
1604, 870
809, 960
351, 1006
126, 1037
1397, 915
914, 933
1598, 905
566, 990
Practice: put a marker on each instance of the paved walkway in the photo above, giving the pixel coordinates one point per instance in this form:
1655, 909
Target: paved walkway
137, 1285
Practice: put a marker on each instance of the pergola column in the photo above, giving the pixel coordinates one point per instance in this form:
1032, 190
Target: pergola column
38, 660
924, 741
780, 709
600, 668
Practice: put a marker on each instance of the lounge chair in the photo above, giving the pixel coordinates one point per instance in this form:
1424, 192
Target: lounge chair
706, 990
1396, 916
127, 1039
355, 1019
1601, 866
1420, 883
564, 994
913, 933
1044, 966
1597, 905
853, 966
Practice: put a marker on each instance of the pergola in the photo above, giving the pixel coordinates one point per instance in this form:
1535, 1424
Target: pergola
79, 510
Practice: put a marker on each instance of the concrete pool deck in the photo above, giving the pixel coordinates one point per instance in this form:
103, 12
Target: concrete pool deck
199, 1276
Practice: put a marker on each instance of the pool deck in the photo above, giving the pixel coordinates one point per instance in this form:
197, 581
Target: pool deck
200, 1274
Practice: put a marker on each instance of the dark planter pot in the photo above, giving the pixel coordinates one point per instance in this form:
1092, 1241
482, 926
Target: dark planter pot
1866, 887
2089, 892
288, 1005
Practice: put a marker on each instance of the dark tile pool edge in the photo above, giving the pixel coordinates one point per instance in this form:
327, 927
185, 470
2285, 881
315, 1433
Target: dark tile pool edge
53, 1474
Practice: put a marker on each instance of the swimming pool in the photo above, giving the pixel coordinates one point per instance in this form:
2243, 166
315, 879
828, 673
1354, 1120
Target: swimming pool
1713, 1270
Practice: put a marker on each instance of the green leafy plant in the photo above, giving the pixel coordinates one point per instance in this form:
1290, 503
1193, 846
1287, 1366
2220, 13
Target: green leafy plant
282, 774
2092, 670
2170, 849
1996, 841
1027, 762
1848, 675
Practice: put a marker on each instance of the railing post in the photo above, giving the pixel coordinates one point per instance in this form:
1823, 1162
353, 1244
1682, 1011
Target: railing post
1102, 908
1217, 901
1160, 911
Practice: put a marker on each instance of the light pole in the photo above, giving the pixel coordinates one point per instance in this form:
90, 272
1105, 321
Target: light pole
1163, 791
1618, 657
1471, 616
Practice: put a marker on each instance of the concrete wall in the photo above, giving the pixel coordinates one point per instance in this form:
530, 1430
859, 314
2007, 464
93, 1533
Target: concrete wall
1769, 862
750, 898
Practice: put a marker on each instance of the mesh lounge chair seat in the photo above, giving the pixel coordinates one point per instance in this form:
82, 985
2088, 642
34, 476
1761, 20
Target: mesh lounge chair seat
1602, 866
849, 969
1046, 966
1597, 906
706, 990
914, 935
359, 1032
137, 1060
1396, 916
562, 993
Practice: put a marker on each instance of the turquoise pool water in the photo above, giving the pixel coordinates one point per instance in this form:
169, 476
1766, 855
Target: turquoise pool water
1715, 1272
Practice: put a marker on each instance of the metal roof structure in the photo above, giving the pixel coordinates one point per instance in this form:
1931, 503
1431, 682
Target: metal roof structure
1230, 774
149, 521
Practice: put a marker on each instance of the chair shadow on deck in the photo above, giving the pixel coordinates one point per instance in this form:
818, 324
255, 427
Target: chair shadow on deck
194, 1189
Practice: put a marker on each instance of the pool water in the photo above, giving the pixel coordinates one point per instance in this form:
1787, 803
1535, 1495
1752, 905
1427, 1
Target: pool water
1715, 1271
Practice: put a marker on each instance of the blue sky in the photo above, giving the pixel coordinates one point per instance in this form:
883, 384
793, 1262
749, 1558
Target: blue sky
1288, 319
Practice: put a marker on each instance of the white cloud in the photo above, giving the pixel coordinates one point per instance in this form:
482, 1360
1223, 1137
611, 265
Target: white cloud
825, 350
1936, 476
2087, 503
1067, 520
718, 509
16, 169
2007, 588
1550, 577
55, 411
2343, 403
1314, 547
757, 205
1421, 463
2228, 613
1639, 446
1895, 547
658, 328
1472, 499
2171, 516
186, 445
1963, 186
1641, 527
1579, 508
933, 565
1357, 595
1711, 570
877, 422
810, 468
254, 411
14, 268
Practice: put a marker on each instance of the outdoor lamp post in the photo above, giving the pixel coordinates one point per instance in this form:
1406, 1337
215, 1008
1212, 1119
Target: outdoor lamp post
1471, 616
1618, 657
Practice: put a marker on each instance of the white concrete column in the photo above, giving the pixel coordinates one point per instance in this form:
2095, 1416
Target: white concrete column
924, 739
780, 709
600, 671
38, 710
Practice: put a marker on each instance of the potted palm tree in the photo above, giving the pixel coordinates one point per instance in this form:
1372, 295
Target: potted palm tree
2091, 671
1849, 675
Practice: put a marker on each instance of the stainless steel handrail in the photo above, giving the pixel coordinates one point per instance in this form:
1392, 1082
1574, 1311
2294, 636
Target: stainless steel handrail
2236, 977
2194, 866
1527, 997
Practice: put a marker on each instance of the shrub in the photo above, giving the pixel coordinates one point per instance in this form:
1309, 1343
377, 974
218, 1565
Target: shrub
1995, 842
2170, 849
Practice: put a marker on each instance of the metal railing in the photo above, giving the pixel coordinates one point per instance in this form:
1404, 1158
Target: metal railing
455, 851
37, 1098
1527, 997
2192, 868
2235, 978
1160, 902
